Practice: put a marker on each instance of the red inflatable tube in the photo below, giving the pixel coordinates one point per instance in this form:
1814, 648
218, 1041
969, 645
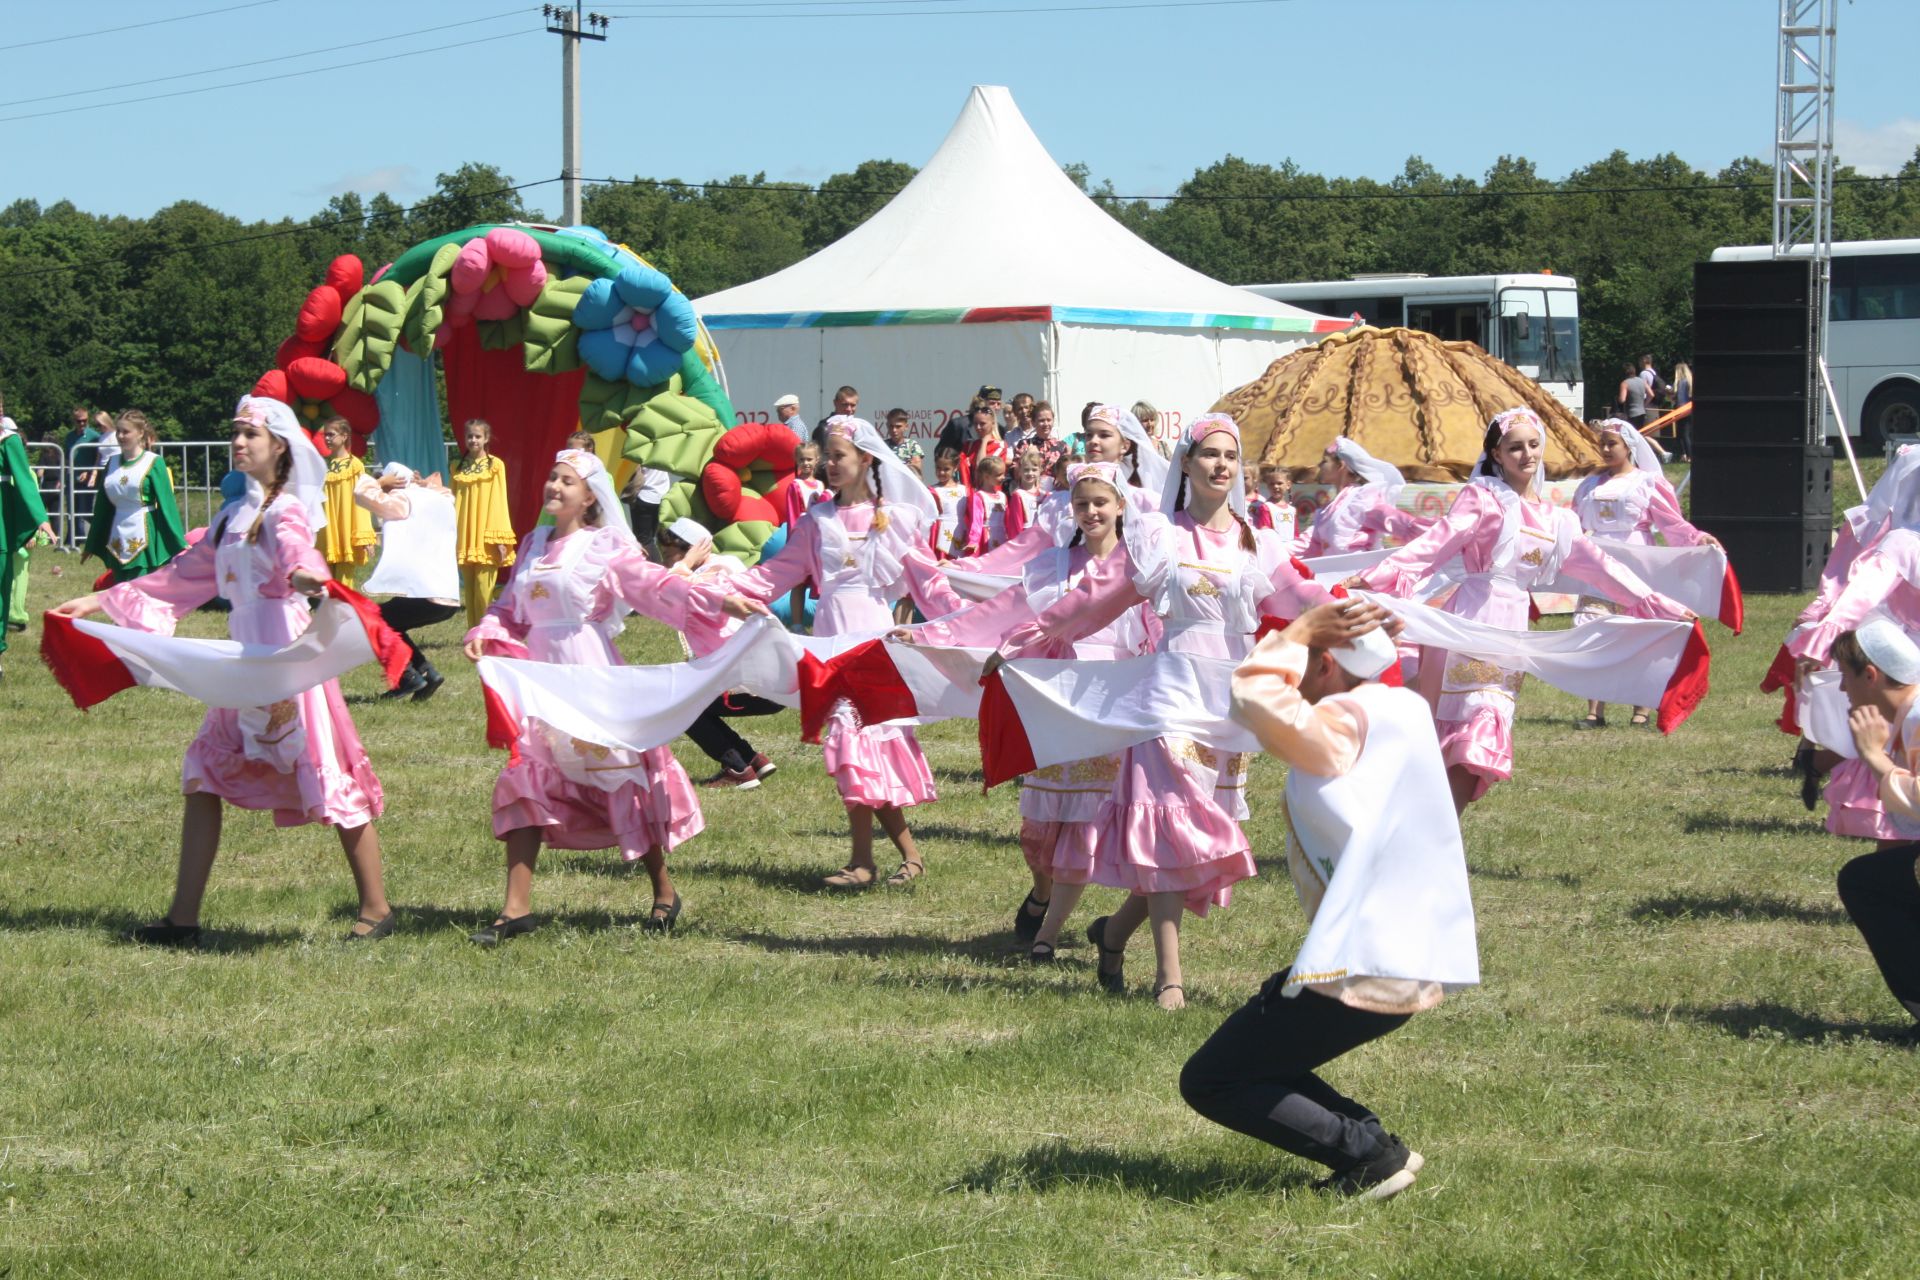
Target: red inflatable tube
737, 452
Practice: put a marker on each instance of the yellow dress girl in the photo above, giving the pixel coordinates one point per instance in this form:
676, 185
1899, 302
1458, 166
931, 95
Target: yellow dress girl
347, 542
486, 537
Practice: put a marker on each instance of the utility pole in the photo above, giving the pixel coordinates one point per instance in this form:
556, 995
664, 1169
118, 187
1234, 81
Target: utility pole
572, 26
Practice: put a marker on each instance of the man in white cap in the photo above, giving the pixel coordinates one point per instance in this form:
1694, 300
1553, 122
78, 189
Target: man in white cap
1373, 846
787, 410
1880, 673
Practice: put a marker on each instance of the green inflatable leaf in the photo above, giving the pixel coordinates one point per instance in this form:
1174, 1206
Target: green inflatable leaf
605, 405
427, 301
369, 332
552, 343
743, 540
502, 335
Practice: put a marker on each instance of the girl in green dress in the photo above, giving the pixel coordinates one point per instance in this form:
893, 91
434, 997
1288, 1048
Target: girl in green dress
136, 527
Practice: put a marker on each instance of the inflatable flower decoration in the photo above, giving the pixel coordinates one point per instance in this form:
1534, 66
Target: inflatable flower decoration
635, 326
495, 275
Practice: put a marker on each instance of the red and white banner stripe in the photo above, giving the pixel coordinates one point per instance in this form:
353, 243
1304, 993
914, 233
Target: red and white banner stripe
93, 661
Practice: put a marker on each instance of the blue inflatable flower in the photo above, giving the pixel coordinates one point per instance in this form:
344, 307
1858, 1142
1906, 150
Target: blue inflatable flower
635, 326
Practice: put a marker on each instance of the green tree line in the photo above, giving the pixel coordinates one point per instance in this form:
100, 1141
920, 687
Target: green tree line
179, 312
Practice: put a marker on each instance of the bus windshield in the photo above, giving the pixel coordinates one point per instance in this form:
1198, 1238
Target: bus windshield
1540, 333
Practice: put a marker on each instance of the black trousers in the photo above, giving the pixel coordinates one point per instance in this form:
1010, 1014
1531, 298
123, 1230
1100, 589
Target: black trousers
713, 735
1255, 1075
404, 613
1880, 892
644, 517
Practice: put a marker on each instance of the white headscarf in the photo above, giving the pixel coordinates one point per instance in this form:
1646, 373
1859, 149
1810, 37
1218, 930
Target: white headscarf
1638, 446
1896, 495
1190, 437
594, 472
307, 477
899, 483
1151, 464
1370, 469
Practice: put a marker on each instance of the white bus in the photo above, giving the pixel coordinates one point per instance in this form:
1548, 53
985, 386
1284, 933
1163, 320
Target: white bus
1538, 317
1873, 334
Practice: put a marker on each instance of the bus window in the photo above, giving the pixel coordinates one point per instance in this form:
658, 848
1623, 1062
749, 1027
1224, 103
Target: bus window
1563, 337
1875, 287
1450, 321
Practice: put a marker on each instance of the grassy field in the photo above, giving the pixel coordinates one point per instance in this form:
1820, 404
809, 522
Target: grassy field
1681, 1062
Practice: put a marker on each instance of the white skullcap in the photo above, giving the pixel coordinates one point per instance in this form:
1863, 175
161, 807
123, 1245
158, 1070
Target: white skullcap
690, 531
399, 469
1890, 649
786, 400
1366, 655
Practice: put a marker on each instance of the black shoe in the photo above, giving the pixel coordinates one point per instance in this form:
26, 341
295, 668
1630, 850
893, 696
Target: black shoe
16, 626
381, 928
165, 933
1591, 722
1114, 983
1041, 953
410, 684
1809, 776
502, 930
1026, 925
662, 922
430, 683
1381, 1178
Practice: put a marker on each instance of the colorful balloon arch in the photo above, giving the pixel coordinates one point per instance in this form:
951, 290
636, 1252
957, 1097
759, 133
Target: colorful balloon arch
543, 331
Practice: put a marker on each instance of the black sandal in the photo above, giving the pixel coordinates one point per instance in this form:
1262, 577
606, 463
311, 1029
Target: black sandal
1591, 722
1041, 953
1026, 925
1171, 986
1114, 983
1640, 721
503, 930
661, 918
165, 933
377, 929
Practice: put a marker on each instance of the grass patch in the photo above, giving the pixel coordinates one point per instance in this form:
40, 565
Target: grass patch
1682, 1061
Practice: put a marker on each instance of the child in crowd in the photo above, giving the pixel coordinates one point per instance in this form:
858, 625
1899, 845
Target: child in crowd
1026, 485
949, 493
983, 516
346, 543
487, 540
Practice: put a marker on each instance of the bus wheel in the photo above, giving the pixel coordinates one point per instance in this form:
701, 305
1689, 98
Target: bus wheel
1892, 410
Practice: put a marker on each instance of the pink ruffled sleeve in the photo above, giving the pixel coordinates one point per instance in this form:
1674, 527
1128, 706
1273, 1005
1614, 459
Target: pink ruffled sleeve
1833, 578
1009, 556
1403, 526
771, 579
927, 586
1608, 577
157, 601
1873, 578
1104, 592
1444, 539
288, 535
664, 596
1663, 509
1293, 594
981, 625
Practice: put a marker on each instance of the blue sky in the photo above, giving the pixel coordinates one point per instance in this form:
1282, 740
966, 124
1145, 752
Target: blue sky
708, 88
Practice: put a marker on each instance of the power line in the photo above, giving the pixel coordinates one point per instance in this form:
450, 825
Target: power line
247, 84
261, 62
1306, 197
705, 10
305, 228
135, 26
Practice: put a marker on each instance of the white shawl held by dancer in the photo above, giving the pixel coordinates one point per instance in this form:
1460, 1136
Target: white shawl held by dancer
1394, 899
94, 660
1643, 662
1698, 577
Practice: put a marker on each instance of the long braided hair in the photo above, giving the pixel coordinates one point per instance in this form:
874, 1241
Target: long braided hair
880, 520
282, 471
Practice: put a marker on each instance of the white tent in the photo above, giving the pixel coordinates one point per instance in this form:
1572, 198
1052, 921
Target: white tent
992, 267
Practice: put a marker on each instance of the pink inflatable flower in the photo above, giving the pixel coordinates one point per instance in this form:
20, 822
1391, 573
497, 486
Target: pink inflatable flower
496, 275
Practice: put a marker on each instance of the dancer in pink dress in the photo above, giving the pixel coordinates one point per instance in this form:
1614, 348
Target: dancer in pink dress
1060, 805
299, 758
573, 583
1361, 513
1511, 540
1169, 828
862, 551
1628, 502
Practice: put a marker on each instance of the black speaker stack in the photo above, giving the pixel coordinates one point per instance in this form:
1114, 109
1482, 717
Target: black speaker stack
1759, 484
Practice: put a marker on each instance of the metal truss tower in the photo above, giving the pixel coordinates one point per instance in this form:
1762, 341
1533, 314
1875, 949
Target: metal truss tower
1803, 163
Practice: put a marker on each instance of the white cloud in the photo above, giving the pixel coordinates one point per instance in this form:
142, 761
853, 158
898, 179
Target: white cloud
1876, 149
394, 179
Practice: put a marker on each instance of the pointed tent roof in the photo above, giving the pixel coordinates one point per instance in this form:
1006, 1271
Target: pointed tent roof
992, 229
